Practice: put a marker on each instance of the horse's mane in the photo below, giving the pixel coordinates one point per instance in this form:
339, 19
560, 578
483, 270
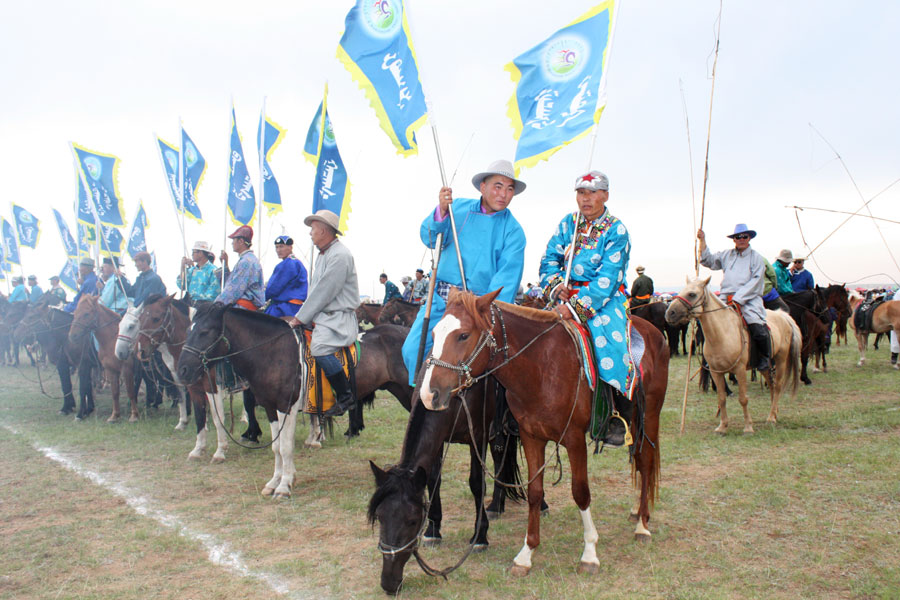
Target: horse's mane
257, 315
154, 298
533, 314
403, 302
467, 301
399, 481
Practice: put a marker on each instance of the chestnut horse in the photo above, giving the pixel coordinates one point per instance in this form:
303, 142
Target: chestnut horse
885, 318
533, 355
92, 317
727, 346
398, 312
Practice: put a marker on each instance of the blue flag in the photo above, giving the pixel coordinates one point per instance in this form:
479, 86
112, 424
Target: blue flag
331, 189
27, 226
377, 50
10, 244
194, 167
137, 236
169, 155
87, 237
65, 235
68, 276
110, 241
274, 133
560, 86
84, 212
241, 199
100, 173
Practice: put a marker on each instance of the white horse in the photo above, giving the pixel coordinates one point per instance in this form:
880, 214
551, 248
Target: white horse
727, 346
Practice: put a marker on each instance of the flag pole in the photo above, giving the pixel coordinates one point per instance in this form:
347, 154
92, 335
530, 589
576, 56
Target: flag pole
172, 192
262, 178
97, 225
181, 194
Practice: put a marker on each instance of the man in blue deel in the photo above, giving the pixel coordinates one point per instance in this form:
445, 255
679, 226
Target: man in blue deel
288, 284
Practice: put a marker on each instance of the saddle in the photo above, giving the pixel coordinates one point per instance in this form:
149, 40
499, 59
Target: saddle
862, 320
319, 395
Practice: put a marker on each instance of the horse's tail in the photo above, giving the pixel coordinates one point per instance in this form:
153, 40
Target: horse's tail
794, 358
646, 424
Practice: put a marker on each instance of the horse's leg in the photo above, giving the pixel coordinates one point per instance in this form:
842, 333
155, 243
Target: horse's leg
499, 448
182, 394
315, 432
742, 397
719, 385
217, 404
286, 448
581, 493
115, 389
477, 487
275, 426
65, 382
128, 372
862, 340
432, 536
534, 454
200, 421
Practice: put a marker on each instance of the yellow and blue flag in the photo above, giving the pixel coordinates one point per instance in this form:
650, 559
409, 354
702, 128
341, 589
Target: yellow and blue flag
10, 243
241, 199
65, 235
27, 226
193, 169
169, 155
110, 240
68, 276
100, 174
560, 86
377, 50
273, 135
137, 235
84, 213
332, 184
87, 237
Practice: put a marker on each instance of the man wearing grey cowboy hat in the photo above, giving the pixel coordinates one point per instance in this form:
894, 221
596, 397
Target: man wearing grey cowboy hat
782, 274
743, 285
19, 293
88, 285
331, 305
491, 243
198, 274
595, 294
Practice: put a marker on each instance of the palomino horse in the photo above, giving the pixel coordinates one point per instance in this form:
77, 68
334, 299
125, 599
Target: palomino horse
885, 318
534, 357
164, 324
726, 346
129, 330
92, 317
263, 350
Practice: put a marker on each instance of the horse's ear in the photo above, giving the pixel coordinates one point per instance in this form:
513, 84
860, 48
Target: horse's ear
420, 478
705, 282
380, 475
172, 296
687, 278
484, 302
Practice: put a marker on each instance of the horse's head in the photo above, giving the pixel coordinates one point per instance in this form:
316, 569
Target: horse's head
205, 341
459, 338
84, 319
24, 331
689, 301
398, 505
129, 328
155, 322
820, 307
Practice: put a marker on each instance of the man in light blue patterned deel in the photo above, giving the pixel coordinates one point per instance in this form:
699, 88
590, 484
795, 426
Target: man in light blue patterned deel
596, 292
198, 274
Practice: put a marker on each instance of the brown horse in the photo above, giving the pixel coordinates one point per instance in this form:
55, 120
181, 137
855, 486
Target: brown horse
885, 318
534, 357
92, 317
398, 312
367, 312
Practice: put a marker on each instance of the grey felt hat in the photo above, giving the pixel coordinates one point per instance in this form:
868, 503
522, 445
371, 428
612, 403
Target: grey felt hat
499, 167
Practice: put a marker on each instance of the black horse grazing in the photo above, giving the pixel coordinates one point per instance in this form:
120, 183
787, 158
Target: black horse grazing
265, 351
801, 303
398, 503
655, 313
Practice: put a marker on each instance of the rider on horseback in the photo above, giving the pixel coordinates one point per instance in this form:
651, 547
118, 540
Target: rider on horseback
596, 291
743, 284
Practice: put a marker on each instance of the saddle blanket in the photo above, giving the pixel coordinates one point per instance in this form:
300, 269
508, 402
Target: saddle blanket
862, 320
586, 347
319, 395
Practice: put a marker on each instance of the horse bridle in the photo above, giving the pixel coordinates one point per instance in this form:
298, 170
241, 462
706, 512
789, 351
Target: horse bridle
203, 354
463, 368
692, 308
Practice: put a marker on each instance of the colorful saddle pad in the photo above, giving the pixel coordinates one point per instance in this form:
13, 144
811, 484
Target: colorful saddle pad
319, 395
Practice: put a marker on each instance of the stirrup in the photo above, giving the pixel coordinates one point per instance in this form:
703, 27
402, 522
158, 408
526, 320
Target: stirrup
628, 440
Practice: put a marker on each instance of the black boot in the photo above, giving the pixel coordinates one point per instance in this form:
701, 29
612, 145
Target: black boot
253, 431
343, 397
618, 432
893, 358
759, 333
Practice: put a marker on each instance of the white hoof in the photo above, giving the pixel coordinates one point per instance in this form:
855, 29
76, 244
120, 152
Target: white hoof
195, 455
267, 491
180, 426
217, 459
519, 570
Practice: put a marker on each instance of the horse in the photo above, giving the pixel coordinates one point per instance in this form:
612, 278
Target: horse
398, 312
801, 305
265, 351
91, 316
836, 298
11, 319
885, 317
727, 346
533, 357
367, 312
129, 332
655, 313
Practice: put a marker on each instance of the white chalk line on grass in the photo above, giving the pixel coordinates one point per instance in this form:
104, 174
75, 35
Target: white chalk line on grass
218, 552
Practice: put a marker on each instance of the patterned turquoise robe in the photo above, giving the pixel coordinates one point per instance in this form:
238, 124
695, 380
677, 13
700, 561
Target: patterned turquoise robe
601, 301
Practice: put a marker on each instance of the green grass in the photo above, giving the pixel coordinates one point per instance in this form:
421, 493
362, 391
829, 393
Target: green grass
809, 507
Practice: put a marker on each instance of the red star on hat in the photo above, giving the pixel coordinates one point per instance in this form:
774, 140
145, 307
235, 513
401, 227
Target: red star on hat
588, 177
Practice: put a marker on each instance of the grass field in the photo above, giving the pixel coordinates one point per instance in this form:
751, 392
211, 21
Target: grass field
807, 508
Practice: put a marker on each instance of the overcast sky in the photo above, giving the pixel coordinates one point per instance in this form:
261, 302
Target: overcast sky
108, 74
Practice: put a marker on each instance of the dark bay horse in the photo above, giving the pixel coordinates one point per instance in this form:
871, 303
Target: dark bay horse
549, 397
265, 351
655, 313
398, 312
802, 305
367, 312
836, 298
91, 317
14, 314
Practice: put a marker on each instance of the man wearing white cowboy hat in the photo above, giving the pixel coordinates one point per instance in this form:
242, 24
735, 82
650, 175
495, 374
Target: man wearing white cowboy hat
743, 284
198, 274
88, 283
491, 243
331, 305
801, 279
